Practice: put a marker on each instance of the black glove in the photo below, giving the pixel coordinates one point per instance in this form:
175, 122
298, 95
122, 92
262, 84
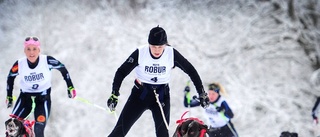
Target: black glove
204, 100
72, 93
315, 119
219, 109
9, 101
195, 97
113, 101
187, 89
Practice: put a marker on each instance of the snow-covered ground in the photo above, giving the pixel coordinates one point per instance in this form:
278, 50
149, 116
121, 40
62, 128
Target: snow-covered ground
248, 46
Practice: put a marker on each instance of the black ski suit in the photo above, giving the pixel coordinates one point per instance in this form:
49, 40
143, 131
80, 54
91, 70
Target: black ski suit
142, 96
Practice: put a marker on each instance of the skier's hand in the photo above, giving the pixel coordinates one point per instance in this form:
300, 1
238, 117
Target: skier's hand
315, 120
204, 100
9, 101
72, 93
219, 109
195, 97
187, 89
113, 101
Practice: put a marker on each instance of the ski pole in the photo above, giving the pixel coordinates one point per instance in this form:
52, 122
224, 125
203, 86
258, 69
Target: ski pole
88, 102
114, 114
161, 109
94, 105
14, 98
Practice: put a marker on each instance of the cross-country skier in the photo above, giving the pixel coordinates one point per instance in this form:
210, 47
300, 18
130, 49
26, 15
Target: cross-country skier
35, 81
315, 111
218, 113
153, 64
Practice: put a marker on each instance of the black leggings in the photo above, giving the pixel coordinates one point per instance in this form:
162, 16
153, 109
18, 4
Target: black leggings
23, 107
225, 131
137, 104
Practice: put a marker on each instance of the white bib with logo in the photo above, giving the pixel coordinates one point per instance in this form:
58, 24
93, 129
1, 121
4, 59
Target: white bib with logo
34, 80
154, 71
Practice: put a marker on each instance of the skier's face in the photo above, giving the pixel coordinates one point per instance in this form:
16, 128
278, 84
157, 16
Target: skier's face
157, 50
32, 52
212, 95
